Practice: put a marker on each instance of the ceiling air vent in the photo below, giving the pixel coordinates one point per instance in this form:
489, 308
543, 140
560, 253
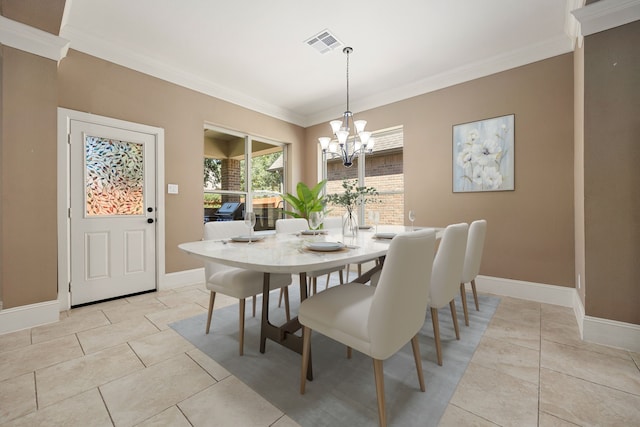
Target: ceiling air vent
324, 42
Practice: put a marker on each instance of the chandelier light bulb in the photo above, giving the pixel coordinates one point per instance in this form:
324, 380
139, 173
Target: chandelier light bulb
370, 144
342, 136
364, 138
335, 125
324, 142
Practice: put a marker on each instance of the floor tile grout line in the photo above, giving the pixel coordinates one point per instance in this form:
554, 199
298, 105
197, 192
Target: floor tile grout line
183, 414
203, 368
104, 402
560, 418
35, 391
592, 382
584, 349
637, 362
474, 414
137, 355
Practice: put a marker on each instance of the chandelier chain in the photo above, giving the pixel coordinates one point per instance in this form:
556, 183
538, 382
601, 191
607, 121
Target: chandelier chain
348, 81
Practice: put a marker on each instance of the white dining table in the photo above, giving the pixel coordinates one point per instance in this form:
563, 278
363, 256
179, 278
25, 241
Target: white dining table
291, 253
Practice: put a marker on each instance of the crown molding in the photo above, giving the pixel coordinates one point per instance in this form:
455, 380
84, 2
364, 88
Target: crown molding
606, 14
516, 58
571, 24
94, 46
32, 40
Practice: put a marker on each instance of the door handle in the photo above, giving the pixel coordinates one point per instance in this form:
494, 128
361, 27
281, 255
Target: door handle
150, 220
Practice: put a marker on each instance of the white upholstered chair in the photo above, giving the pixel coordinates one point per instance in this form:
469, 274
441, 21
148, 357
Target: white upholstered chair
445, 278
472, 260
380, 320
295, 225
237, 282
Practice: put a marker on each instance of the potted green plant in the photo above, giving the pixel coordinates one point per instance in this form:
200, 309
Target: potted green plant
308, 200
352, 197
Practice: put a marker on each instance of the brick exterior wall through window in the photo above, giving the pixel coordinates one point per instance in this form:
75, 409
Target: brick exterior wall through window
383, 171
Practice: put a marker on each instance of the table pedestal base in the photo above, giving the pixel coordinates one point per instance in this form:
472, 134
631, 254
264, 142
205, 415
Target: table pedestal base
284, 334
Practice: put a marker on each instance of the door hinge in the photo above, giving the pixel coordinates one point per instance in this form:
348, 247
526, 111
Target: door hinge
69, 286
69, 212
68, 138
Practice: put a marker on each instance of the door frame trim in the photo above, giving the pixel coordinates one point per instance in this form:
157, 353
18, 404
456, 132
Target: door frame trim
64, 194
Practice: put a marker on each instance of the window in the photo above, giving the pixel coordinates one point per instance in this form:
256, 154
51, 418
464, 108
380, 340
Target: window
383, 170
241, 170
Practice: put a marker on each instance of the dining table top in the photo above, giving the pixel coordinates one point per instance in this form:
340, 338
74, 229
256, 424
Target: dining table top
297, 252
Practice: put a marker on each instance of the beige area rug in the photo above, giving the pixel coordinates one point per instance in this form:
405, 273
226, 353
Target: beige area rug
342, 392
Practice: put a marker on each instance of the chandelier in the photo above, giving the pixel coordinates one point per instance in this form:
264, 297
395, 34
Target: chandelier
349, 144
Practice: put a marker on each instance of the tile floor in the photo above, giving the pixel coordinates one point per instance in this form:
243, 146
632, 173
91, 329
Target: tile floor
118, 363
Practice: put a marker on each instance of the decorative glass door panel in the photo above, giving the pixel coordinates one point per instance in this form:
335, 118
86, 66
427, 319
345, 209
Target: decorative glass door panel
114, 177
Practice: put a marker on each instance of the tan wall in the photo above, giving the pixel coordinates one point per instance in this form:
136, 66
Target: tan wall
531, 232
28, 232
612, 175
32, 89
89, 84
44, 15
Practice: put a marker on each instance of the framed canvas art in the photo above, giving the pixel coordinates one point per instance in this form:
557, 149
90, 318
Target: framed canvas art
483, 155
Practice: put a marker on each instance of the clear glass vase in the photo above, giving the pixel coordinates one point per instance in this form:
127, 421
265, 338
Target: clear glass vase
350, 224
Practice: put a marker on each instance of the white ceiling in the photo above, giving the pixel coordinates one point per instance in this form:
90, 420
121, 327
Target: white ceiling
253, 52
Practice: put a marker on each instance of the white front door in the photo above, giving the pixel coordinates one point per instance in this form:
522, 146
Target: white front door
113, 212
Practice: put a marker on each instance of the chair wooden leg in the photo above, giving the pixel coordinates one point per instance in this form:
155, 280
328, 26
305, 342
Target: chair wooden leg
212, 299
436, 333
475, 294
306, 348
314, 284
418, 358
463, 297
254, 306
454, 317
326, 285
280, 298
287, 312
241, 326
349, 352
341, 277
359, 270
379, 375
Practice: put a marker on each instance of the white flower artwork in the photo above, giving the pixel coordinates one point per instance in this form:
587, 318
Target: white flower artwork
483, 155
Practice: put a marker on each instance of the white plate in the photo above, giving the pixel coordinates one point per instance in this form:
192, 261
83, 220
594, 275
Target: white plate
313, 232
325, 246
254, 238
385, 235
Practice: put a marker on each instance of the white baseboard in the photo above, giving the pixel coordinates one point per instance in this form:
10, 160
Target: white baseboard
29, 316
593, 329
538, 292
612, 333
182, 278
